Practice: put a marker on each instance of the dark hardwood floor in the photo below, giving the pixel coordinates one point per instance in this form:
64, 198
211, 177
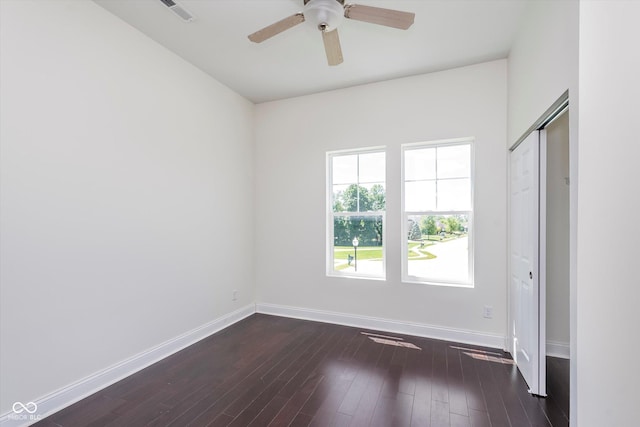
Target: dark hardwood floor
273, 371
557, 391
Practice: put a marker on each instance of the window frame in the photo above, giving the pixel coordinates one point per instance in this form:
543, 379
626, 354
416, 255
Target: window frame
406, 278
330, 239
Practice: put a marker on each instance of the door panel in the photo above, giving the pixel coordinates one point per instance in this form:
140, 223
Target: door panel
524, 244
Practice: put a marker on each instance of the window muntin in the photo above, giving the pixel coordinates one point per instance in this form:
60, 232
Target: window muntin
438, 213
356, 182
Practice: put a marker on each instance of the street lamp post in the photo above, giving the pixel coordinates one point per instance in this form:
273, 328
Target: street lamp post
355, 253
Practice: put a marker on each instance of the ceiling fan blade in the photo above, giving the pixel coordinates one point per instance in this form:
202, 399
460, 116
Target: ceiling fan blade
332, 47
274, 29
380, 16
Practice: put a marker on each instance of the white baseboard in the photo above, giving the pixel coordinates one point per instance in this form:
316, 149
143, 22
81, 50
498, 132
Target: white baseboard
394, 326
72, 393
558, 349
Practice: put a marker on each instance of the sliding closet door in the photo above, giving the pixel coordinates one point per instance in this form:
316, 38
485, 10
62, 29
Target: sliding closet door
527, 337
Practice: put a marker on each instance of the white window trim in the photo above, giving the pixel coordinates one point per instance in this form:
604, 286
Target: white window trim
331, 272
406, 278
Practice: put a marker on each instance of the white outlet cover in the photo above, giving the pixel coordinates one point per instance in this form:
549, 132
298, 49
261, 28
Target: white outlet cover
488, 312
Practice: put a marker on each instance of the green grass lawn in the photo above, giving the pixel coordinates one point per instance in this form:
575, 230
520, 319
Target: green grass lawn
446, 237
364, 252
417, 250
375, 253
417, 253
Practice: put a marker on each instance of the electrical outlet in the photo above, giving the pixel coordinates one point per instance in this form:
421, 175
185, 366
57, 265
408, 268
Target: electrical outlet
487, 312
235, 295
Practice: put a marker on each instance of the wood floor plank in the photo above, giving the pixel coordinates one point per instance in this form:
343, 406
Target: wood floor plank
353, 349
420, 412
421, 409
553, 413
352, 398
496, 408
334, 384
274, 371
440, 386
341, 420
479, 418
224, 392
556, 406
368, 401
439, 413
383, 414
306, 364
324, 405
281, 361
368, 353
239, 388
505, 379
458, 420
86, 411
48, 423
403, 410
405, 383
301, 420
269, 412
147, 410
530, 403
472, 386
251, 411
291, 409
221, 420
456, 384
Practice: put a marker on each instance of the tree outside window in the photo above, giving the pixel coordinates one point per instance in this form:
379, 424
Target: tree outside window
357, 210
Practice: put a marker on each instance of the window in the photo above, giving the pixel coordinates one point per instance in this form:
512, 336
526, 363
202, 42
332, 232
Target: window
438, 212
355, 213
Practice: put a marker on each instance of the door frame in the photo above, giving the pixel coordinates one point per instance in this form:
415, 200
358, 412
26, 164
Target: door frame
542, 258
556, 109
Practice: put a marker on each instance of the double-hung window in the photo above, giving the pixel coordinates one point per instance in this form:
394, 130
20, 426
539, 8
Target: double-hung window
438, 212
356, 213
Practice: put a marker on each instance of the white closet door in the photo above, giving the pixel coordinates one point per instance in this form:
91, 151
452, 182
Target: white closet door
527, 338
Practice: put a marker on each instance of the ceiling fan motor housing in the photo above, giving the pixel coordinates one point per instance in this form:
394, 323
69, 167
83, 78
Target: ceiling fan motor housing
325, 15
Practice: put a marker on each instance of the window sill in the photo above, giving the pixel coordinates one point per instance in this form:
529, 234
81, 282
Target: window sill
356, 276
418, 281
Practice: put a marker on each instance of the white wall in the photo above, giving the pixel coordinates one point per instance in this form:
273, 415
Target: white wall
292, 137
608, 279
126, 195
557, 247
543, 62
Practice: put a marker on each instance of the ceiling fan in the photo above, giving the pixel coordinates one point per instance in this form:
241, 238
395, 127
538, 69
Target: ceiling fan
326, 15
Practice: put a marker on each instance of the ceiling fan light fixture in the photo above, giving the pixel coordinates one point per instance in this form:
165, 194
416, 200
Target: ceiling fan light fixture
325, 15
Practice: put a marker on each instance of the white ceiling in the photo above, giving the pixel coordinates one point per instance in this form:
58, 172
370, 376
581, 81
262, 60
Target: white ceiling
446, 34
